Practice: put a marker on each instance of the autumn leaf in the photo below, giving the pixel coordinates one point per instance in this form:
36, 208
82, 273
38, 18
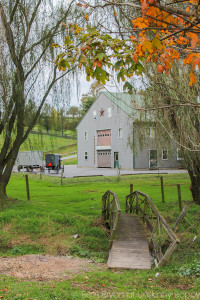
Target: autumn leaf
115, 14
194, 39
86, 17
196, 62
144, 6
193, 79
63, 24
97, 63
188, 59
156, 43
79, 4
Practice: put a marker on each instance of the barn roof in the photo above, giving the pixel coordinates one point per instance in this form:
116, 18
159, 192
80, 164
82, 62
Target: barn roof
127, 102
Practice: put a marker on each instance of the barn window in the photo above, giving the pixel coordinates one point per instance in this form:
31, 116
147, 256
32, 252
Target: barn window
165, 154
179, 155
86, 136
86, 155
120, 133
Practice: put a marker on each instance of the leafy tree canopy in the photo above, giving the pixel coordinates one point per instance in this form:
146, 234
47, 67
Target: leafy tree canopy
158, 31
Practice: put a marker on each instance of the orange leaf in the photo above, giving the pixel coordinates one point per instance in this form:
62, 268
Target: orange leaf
135, 58
79, 4
194, 39
188, 59
144, 6
86, 17
196, 62
192, 79
97, 63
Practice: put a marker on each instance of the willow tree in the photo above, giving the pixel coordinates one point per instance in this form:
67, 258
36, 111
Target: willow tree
27, 31
175, 108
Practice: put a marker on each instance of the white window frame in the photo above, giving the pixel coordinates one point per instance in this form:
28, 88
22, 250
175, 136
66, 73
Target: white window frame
86, 155
94, 114
120, 135
85, 136
109, 112
177, 155
162, 154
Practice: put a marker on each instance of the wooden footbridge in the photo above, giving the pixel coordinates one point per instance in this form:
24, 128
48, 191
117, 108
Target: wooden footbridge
130, 241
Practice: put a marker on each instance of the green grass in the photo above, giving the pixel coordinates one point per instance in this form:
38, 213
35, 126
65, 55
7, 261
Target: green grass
50, 144
69, 149
56, 212
45, 143
71, 161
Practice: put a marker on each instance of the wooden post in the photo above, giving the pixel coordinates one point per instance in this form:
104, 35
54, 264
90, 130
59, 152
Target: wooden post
61, 177
162, 189
131, 188
27, 187
179, 197
40, 173
137, 202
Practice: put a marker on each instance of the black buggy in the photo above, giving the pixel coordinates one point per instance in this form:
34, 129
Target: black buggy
53, 162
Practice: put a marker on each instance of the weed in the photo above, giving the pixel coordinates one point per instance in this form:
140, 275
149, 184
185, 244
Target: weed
193, 269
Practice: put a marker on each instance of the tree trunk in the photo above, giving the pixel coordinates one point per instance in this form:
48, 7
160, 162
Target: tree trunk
3, 194
195, 185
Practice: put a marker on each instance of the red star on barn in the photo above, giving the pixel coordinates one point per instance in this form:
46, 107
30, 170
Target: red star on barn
101, 112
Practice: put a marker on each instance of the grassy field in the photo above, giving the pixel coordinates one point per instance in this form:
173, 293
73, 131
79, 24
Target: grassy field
51, 144
47, 143
71, 161
48, 223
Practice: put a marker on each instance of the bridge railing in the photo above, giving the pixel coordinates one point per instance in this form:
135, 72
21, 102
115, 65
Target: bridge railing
162, 240
110, 211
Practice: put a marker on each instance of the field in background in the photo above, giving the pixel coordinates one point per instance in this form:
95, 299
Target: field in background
51, 144
48, 223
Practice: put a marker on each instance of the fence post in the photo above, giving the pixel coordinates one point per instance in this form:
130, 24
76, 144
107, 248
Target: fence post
162, 189
131, 188
61, 178
179, 197
27, 187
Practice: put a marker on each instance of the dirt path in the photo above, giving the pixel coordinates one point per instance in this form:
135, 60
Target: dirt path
44, 267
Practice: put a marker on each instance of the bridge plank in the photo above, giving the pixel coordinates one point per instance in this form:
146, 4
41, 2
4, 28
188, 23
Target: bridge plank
130, 247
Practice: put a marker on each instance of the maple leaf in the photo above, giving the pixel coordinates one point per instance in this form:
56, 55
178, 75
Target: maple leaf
86, 17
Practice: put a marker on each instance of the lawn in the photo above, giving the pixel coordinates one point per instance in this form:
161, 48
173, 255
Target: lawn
48, 222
